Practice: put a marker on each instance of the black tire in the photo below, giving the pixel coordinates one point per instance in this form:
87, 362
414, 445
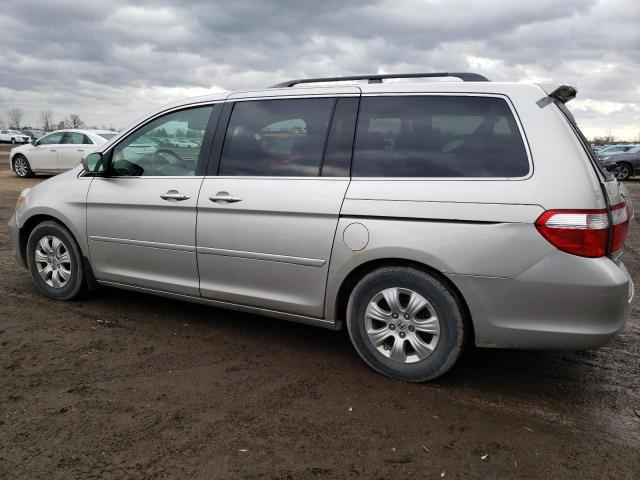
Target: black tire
76, 282
451, 341
22, 173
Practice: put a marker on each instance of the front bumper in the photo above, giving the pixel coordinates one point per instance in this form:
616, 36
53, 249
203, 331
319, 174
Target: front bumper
563, 302
14, 234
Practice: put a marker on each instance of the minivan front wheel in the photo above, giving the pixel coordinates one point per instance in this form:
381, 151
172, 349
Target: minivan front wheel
406, 324
54, 261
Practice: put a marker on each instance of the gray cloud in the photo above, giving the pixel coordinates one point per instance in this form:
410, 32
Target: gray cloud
112, 61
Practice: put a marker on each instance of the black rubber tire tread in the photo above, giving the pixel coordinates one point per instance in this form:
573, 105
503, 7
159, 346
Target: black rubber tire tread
77, 283
448, 308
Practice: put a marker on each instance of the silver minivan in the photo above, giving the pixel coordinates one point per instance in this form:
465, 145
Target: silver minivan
424, 216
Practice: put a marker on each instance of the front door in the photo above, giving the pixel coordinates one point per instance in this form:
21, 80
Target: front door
44, 154
141, 219
266, 223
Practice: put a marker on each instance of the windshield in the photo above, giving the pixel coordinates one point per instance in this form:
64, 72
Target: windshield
107, 136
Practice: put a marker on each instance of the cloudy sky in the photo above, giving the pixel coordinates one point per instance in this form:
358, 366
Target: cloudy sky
113, 61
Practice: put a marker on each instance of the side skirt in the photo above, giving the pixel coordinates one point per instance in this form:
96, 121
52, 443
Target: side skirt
316, 322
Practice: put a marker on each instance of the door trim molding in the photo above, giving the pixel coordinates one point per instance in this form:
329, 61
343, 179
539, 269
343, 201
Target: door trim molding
291, 317
269, 257
143, 243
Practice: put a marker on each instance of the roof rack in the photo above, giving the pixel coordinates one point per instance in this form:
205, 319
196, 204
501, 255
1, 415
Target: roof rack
464, 76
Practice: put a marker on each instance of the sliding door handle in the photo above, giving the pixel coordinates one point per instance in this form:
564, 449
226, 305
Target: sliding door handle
224, 197
174, 195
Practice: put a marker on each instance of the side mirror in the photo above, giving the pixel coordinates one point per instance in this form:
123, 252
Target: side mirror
35, 142
94, 164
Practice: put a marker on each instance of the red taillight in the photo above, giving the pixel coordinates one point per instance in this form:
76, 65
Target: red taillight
585, 232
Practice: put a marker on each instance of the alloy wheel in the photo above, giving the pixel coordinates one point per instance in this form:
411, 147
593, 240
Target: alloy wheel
621, 171
53, 261
402, 325
20, 166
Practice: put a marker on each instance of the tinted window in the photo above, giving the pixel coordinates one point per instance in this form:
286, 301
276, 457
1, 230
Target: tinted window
167, 146
77, 138
51, 139
107, 136
337, 157
276, 137
438, 136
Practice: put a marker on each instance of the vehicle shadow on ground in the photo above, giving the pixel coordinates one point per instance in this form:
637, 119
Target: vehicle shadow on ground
538, 373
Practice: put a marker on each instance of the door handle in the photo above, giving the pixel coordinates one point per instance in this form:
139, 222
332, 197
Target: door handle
174, 195
80, 150
224, 197
53, 150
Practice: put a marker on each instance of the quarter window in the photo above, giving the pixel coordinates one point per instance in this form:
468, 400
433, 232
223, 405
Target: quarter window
438, 136
167, 146
276, 137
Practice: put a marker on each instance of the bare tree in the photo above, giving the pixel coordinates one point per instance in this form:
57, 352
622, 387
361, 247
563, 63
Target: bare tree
15, 118
46, 118
73, 121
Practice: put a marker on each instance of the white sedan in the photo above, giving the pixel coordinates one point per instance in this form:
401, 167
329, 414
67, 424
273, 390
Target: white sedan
13, 136
57, 151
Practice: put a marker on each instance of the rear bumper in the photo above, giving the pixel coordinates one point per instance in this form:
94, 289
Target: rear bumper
563, 302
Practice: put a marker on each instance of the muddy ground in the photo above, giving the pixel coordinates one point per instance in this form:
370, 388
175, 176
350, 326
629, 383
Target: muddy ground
125, 385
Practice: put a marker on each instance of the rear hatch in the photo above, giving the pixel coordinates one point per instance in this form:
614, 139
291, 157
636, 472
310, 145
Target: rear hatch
605, 230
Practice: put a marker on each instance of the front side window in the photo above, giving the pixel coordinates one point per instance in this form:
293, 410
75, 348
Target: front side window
51, 139
276, 137
168, 146
438, 136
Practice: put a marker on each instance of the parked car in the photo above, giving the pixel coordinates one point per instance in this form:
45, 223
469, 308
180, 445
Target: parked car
56, 152
626, 164
416, 214
34, 134
13, 136
615, 149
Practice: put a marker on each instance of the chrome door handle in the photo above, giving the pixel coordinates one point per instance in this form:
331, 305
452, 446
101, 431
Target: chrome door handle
174, 195
224, 197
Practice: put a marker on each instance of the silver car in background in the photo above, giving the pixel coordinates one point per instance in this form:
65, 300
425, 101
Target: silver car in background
424, 216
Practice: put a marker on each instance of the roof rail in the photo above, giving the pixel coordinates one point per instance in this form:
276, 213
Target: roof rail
466, 77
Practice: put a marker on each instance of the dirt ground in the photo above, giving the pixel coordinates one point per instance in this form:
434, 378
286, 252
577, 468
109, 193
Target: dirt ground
125, 385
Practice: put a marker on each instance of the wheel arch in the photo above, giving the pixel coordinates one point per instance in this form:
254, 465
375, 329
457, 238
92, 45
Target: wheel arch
356, 274
32, 222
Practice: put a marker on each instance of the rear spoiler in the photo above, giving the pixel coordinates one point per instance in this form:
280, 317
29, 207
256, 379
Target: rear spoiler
563, 93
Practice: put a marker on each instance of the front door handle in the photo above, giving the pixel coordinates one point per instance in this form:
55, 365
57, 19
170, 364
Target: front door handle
224, 197
174, 195
80, 150
53, 150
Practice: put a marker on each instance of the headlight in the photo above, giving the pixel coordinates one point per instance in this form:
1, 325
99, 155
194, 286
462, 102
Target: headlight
22, 197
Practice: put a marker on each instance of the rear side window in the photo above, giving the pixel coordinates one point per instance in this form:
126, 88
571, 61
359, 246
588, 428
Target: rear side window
276, 137
77, 138
438, 136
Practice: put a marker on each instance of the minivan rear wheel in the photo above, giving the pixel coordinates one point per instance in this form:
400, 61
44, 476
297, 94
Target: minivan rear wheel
54, 261
406, 323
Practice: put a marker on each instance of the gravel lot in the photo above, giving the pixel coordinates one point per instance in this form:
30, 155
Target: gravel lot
125, 385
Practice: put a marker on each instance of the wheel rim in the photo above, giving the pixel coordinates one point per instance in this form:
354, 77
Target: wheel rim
402, 325
53, 261
620, 172
20, 166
